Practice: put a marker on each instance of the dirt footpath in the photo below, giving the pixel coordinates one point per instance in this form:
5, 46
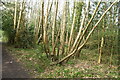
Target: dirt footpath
11, 68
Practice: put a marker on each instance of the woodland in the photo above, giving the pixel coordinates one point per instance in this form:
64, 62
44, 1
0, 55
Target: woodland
63, 38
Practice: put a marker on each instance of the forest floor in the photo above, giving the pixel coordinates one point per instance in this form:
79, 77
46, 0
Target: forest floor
86, 66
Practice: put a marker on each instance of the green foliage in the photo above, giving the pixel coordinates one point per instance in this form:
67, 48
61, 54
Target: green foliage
70, 62
7, 25
33, 59
25, 39
36, 60
38, 63
78, 7
77, 74
3, 37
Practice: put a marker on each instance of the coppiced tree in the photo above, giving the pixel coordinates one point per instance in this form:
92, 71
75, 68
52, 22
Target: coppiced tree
64, 33
63, 27
45, 35
15, 14
19, 20
79, 47
54, 27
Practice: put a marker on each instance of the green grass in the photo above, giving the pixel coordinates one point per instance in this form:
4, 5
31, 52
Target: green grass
32, 59
3, 38
86, 66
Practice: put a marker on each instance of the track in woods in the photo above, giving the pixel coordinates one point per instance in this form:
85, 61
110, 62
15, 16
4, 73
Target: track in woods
11, 68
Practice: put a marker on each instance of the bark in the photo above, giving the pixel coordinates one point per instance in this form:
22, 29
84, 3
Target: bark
20, 16
71, 32
67, 32
45, 38
53, 27
67, 28
75, 43
38, 28
101, 47
102, 44
80, 30
46, 21
80, 47
36, 25
38, 35
62, 36
15, 15
87, 17
41, 22
111, 56
87, 12
19, 20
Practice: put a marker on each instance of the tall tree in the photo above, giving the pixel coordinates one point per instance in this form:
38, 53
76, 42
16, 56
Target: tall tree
19, 20
63, 25
53, 27
101, 48
15, 14
71, 32
41, 24
88, 36
45, 37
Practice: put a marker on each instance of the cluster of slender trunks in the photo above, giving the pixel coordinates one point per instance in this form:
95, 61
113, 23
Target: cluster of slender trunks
64, 44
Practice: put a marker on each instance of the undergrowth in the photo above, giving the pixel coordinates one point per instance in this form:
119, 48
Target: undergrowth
85, 66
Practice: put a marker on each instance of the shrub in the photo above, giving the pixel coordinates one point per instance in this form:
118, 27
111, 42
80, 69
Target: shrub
25, 39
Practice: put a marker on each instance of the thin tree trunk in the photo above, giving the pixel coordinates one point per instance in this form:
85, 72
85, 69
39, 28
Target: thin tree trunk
67, 28
80, 47
87, 12
40, 23
80, 29
87, 16
100, 53
71, 32
20, 16
45, 38
36, 25
19, 20
75, 43
62, 36
15, 14
53, 28
111, 55
102, 44
67, 32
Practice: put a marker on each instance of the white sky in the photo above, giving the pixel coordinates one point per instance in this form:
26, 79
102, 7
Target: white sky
60, 4
64, 0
